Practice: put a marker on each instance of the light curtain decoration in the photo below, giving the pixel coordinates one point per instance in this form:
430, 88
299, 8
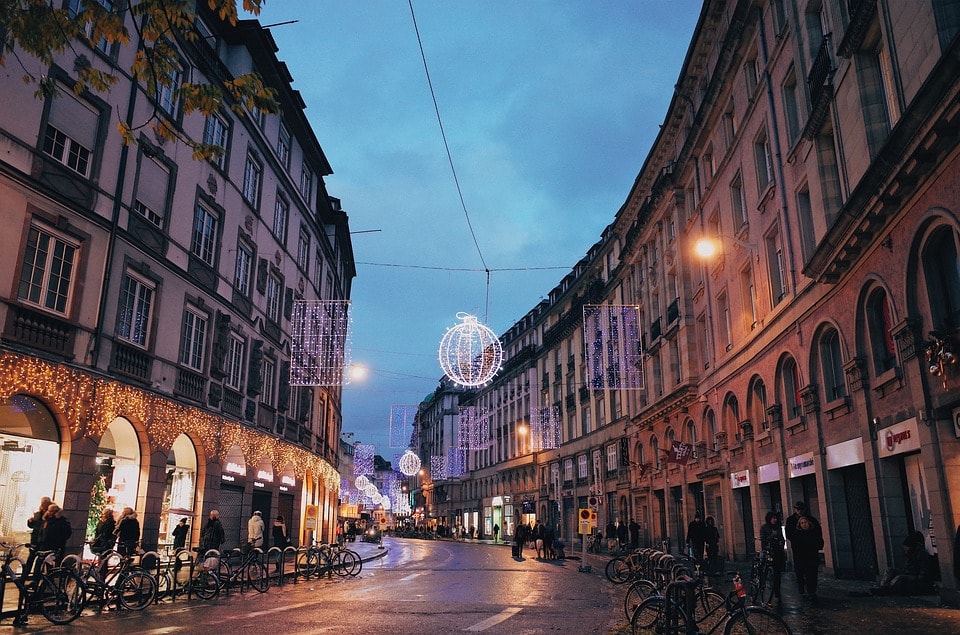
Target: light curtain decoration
363, 459
402, 418
470, 353
544, 428
611, 342
473, 428
320, 343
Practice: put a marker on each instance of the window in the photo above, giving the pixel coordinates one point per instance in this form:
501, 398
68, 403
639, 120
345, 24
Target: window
791, 105
775, 266
205, 230
259, 117
283, 146
568, 470
134, 306
808, 238
791, 389
236, 355
71, 132
252, 175
306, 183
153, 183
303, 250
215, 135
274, 293
764, 163
76, 8
723, 309
612, 457
268, 375
751, 74
758, 405
167, 96
831, 366
280, 212
582, 466
738, 201
880, 323
243, 272
46, 278
748, 297
941, 269
708, 165
729, 125
318, 270
193, 339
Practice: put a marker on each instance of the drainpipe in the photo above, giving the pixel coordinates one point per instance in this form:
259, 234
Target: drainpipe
778, 163
114, 228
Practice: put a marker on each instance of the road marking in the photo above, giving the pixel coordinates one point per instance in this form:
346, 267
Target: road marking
411, 577
505, 614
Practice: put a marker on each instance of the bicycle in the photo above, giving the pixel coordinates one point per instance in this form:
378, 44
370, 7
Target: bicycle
595, 545
666, 615
320, 559
249, 572
113, 578
57, 593
761, 578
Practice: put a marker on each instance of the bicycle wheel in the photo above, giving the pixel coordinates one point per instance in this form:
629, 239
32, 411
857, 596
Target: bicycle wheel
164, 584
343, 563
308, 563
256, 575
755, 620
61, 596
710, 610
224, 573
136, 590
637, 592
358, 562
205, 585
618, 571
650, 617
764, 593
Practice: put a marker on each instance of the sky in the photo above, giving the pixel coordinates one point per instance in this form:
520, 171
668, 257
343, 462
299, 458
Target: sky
549, 109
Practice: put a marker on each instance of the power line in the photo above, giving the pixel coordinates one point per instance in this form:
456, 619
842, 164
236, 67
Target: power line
467, 269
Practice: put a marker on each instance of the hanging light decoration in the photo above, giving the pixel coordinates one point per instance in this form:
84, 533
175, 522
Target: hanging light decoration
612, 350
385, 501
470, 353
409, 463
370, 490
361, 482
402, 418
363, 458
473, 428
377, 498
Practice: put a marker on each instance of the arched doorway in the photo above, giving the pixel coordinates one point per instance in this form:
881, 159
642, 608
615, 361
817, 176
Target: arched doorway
29, 459
180, 488
232, 487
118, 466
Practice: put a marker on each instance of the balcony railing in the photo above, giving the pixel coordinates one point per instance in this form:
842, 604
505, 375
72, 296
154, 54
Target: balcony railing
655, 329
673, 311
131, 361
190, 384
39, 330
232, 402
820, 88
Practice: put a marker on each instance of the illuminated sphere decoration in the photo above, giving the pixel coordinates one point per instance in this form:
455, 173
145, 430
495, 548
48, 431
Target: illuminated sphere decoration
376, 498
409, 463
361, 482
470, 353
370, 490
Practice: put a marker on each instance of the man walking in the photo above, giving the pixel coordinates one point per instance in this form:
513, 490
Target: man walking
255, 530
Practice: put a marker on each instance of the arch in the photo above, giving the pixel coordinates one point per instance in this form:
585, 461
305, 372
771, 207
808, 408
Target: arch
826, 362
119, 464
180, 487
730, 415
757, 403
788, 387
30, 459
690, 433
710, 428
940, 268
876, 315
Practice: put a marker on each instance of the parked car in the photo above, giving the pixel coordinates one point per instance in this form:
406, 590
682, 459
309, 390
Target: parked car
372, 534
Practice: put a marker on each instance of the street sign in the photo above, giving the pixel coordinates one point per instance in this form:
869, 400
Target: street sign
592, 502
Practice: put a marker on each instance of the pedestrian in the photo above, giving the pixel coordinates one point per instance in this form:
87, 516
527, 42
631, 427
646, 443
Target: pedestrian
771, 539
918, 573
35, 522
255, 530
519, 537
55, 532
212, 534
496, 533
549, 536
790, 525
611, 534
623, 535
634, 533
128, 532
103, 536
180, 535
711, 537
696, 537
538, 539
806, 544
281, 540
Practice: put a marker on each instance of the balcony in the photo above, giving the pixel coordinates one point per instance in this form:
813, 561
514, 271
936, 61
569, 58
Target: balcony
39, 330
655, 329
861, 15
190, 385
131, 361
232, 402
673, 311
820, 87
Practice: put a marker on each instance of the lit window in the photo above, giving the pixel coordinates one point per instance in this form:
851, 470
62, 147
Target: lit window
193, 339
205, 229
48, 268
136, 301
252, 174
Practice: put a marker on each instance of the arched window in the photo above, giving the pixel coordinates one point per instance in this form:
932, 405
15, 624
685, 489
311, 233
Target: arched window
941, 270
879, 325
790, 378
731, 416
655, 451
711, 420
757, 405
831, 366
692, 433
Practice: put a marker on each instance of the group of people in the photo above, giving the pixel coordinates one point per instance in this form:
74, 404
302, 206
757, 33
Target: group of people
541, 537
49, 530
703, 535
620, 535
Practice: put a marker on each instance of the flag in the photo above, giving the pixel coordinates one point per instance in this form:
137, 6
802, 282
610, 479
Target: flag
679, 453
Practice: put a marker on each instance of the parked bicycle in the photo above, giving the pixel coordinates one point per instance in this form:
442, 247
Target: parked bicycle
247, 569
119, 580
761, 578
321, 559
57, 593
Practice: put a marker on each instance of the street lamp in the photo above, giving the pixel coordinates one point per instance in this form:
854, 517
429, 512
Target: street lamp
708, 247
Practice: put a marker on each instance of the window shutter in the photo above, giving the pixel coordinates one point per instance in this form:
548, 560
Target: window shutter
74, 119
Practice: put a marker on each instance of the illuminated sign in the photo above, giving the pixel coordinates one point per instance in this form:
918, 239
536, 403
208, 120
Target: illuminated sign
258, 484
740, 479
802, 465
235, 468
227, 477
264, 475
899, 438
288, 480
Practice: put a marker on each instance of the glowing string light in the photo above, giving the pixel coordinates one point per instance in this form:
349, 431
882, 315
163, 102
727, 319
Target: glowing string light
456, 462
545, 428
612, 349
402, 418
473, 428
363, 458
438, 467
470, 353
320, 343
409, 463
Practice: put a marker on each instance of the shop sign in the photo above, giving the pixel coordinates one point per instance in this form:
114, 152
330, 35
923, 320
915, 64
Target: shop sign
497, 501
740, 479
802, 464
264, 475
769, 473
845, 454
258, 484
899, 438
288, 480
230, 478
235, 468
284, 489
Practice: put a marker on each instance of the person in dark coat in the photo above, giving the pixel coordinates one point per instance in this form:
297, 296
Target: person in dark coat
799, 511
623, 535
634, 533
55, 532
180, 534
918, 572
103, 537
771, 539
806, 543
278, 533
610, 533
712, 541
128, 532
696, 537
212, 534
35, 522
519, 537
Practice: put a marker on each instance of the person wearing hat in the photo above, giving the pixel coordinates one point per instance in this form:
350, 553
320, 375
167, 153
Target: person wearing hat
799, 558
255, 530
